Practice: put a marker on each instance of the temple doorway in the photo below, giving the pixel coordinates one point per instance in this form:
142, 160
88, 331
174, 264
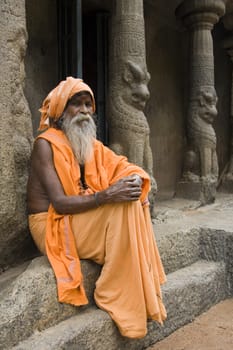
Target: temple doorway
71, 40
83, 50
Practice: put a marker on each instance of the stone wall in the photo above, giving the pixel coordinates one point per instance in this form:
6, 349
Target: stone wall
223, 89
15, 132
165, 41
41, 61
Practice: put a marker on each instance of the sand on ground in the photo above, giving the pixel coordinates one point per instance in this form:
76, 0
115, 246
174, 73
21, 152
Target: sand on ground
213, 330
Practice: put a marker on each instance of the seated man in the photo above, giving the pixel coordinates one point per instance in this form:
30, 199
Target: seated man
86, 202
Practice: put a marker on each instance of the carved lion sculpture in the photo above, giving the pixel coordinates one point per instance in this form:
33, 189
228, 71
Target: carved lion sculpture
201, 158
128, 125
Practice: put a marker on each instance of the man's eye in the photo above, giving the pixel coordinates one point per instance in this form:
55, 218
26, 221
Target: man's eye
72, 102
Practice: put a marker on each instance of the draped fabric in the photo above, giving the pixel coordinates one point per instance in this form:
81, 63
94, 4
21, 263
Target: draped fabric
104, 169
120, 237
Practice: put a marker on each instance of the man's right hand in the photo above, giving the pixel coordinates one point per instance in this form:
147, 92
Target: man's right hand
124, 190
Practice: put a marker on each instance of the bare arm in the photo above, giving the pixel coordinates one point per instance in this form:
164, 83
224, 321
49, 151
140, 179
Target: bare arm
127, 189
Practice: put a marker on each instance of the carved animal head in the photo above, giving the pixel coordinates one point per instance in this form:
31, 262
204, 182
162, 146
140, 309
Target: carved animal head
136, 78
207, 101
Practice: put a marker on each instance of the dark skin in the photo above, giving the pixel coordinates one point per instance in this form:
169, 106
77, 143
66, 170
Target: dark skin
44, 186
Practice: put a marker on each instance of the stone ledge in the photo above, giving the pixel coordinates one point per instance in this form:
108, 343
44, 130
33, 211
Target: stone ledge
188, 292
30, 302
179, 248
10, 275
35, 288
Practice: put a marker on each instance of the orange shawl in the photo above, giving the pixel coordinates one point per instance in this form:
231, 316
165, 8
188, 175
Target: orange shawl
102, 171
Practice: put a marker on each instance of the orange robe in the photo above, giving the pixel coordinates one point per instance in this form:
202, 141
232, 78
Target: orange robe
118, 236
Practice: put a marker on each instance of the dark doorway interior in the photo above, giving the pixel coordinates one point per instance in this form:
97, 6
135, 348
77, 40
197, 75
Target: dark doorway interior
95, 63
83, 51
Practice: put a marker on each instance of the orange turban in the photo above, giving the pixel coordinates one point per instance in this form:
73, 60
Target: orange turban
55, 103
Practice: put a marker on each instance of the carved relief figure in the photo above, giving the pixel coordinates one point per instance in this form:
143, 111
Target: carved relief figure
128, 92
201, 158
129, 127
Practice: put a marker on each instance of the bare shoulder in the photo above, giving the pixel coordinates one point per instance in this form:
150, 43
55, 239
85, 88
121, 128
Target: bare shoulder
41, 161
44, 186
42, 150
42, 158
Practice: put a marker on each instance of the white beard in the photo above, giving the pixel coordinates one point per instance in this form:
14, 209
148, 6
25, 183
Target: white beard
81, 132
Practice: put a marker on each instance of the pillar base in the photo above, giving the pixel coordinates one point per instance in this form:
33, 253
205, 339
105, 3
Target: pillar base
203, 191
227, 184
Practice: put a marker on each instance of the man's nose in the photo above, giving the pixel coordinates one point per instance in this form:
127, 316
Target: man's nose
84, 109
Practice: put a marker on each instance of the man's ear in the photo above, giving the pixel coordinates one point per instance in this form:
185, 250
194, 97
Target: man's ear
59, 122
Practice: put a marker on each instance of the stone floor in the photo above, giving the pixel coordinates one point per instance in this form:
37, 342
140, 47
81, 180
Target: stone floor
213, 330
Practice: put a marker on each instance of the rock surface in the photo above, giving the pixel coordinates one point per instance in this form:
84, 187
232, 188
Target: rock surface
30, 303
15, 133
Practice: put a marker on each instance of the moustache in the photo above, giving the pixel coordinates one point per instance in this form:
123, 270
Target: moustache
80, 118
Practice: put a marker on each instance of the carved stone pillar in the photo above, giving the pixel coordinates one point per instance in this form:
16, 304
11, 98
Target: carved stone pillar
128, 92
15, 134
200, 173
227, 181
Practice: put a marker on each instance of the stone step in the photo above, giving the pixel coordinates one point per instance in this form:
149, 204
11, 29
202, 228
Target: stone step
10, 275
188, 292
31, 300
178, 248
189, 233
182, 247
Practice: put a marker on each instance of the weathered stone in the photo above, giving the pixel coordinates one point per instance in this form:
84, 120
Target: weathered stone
229, 263
15, 132
30, 303
217, 245
227, 180
200, 189
201, 164
183, 247
195, 288
11, 274
128, 91
188, 292
213, 244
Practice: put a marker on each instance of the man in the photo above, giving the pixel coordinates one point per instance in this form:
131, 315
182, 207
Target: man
86, 202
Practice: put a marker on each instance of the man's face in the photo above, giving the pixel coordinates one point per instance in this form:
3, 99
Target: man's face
80, 103
79, 127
